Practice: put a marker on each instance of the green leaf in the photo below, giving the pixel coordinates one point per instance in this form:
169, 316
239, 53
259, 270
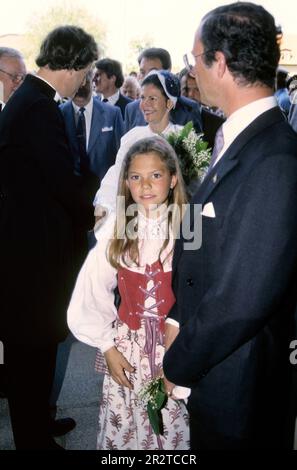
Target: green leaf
154, 419
160, 398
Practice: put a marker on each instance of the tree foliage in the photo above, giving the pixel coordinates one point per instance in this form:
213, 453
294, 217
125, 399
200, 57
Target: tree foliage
60, 14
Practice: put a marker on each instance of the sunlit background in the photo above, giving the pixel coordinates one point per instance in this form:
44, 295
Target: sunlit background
123, 27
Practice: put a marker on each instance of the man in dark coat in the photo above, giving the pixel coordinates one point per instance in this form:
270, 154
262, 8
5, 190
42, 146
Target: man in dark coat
42, 203
108, 79
236, 293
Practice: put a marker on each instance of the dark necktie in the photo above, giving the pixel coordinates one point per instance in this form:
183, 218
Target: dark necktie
105, 100
81, 139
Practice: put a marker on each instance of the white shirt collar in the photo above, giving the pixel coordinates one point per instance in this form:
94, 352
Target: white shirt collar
3, 104
88, 107
113, 98
57, 96
242, 118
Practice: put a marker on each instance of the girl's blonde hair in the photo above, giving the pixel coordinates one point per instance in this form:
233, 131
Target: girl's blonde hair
122, 247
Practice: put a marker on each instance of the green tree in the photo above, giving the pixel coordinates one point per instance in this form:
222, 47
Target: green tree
60, 14
136, 45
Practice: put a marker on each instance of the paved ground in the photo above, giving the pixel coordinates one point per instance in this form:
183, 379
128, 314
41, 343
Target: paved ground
78, 397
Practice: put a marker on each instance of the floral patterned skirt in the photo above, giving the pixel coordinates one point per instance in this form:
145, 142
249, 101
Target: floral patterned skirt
123, 422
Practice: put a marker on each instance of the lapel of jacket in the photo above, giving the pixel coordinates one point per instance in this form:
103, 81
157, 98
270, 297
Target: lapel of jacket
70, 124
97, 123
227, 163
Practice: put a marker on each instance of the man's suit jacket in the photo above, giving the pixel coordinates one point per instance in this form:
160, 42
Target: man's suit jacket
41, 203
210, 124
186, 110
236, 294
106, 131
122, 102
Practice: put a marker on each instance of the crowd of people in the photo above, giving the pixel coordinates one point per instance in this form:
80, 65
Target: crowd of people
214, 323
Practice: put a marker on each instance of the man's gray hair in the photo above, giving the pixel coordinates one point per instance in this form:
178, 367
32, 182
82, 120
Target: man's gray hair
10, 52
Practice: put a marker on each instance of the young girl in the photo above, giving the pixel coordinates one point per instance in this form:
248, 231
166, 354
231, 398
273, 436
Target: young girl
135, 253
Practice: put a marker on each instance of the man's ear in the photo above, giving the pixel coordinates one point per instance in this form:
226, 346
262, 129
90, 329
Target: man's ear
221, 63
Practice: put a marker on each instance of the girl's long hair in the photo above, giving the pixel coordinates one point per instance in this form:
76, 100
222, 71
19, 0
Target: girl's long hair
124, 247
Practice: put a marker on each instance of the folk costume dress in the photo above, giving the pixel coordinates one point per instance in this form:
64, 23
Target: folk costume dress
137, 330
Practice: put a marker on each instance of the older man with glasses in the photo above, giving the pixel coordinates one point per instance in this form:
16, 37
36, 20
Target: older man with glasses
12, 72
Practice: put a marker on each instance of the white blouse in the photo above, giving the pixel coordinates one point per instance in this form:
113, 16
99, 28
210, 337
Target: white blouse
106, 194
91, 311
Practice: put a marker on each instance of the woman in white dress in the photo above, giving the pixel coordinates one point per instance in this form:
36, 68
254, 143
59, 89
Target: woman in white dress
132, 339
159, 92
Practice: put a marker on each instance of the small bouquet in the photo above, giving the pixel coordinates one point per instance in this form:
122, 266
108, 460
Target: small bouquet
192, 152
153, 396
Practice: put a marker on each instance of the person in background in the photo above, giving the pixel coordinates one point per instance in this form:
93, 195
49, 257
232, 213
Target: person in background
12, 73
210, 120
281, 90
108, 79
42, 204
159, 94
131, 88
292, 90
186, 110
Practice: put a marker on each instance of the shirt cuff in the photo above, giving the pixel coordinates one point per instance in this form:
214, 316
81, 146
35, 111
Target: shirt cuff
172, 322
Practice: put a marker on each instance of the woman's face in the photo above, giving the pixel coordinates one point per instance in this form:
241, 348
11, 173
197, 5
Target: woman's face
153, 104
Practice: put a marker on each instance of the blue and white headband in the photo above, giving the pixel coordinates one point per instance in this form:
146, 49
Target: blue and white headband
170, 84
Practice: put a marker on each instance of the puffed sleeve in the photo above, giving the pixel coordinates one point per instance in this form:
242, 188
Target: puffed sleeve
91, 311
107, 193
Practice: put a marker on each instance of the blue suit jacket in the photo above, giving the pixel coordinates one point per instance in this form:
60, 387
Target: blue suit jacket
106, 131
186, 110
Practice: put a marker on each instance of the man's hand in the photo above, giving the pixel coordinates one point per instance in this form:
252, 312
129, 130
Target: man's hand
117, 364
171, 332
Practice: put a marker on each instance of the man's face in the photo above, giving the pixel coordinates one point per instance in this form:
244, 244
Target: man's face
84, 93
102, 82
203, 73
12, 74
74, 80
146, 65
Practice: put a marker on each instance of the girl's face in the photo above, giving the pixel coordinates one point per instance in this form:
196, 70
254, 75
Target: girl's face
153, 104
149, 181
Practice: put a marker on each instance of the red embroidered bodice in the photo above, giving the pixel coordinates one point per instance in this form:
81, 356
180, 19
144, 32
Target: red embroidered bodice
134, 291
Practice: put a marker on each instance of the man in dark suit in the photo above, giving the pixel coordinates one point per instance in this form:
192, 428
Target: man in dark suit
108, 79
12, 74
236, 294
42, 202
185, 110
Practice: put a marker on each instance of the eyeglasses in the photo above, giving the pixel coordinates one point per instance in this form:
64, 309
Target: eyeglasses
188, 59
16, 78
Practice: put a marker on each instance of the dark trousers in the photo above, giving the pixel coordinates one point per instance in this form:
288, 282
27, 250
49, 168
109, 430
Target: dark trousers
30, 374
